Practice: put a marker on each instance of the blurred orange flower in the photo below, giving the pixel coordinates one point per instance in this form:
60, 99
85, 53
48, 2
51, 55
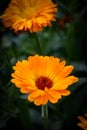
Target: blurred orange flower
43, 78
32, 15
66, 19
83, 122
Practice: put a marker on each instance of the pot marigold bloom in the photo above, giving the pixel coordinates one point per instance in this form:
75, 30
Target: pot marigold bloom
83, 122
32, 15
44, 78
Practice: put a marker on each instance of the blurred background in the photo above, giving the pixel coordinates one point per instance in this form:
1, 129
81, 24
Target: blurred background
66, 39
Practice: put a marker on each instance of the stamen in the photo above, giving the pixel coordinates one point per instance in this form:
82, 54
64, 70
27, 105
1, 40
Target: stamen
43, 82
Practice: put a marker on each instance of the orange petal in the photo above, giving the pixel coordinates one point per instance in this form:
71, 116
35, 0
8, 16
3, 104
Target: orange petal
66, 71
53, 95
35, 94
56, 69
64, 83
41, 100
64, 92
28, 89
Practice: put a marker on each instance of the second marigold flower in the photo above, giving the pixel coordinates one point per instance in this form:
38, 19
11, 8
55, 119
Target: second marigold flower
32, 15
43, 78
83, 121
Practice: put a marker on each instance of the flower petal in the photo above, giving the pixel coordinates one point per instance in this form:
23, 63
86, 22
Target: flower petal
35, 94
63, 84
53, 95
41, 100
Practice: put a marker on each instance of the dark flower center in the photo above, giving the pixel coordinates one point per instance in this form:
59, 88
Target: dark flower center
43, 82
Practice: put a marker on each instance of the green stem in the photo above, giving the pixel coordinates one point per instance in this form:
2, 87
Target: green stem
45, 116
38, 43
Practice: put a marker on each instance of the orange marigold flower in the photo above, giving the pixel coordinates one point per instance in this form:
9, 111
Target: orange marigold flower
44, 78
32, 15
83, 123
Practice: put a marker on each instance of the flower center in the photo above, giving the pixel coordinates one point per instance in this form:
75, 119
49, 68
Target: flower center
43, 82
29, 13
